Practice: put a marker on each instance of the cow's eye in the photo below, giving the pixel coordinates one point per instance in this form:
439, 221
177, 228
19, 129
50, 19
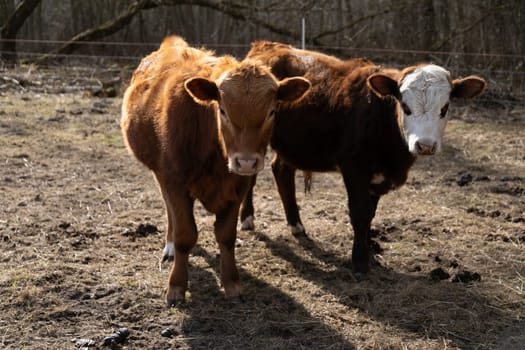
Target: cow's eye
444, 111
272, 113
224, 117
405, 108
223, 114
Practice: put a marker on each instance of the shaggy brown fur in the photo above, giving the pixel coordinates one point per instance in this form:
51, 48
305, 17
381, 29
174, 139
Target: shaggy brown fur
199, 122
350, 122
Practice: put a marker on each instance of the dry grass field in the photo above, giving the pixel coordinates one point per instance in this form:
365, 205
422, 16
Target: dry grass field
82, 229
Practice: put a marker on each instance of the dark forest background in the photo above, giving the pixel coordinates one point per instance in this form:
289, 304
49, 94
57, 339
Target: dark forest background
484, 37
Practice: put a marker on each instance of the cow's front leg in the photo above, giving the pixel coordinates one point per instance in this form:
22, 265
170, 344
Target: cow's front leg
361, 209
284, 175
226, 234
247, 211
184, 239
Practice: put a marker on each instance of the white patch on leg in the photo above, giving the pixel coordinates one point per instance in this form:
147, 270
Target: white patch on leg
248, 224
169, 250
298, 228
377, 179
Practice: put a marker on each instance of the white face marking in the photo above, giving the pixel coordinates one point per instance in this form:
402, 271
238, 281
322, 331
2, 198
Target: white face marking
425, 92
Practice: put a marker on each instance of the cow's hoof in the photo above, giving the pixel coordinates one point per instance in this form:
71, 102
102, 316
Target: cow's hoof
175, 296
360, 276
168, 254
236, 300
175, 302
175, 299
297, 230
247, 224
167, 258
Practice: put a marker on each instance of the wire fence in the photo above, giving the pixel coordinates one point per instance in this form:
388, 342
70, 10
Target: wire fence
506, 78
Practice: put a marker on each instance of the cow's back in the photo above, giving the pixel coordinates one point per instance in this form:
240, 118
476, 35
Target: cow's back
162, 124
332, 120
328, 74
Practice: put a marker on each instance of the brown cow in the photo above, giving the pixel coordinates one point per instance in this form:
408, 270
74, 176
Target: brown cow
365, 121
202, 123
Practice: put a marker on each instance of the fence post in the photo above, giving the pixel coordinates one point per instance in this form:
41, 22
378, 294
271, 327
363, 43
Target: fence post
303, 33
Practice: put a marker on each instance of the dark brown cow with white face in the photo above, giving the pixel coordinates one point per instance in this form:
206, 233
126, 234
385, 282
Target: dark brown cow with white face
368, 122
201, 124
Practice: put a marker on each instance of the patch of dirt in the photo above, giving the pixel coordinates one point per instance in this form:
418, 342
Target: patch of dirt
81, 237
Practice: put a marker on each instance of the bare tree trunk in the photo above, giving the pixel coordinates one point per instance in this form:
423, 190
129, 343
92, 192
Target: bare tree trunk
107, 28
13, 24
428, 27
6, 7
230, 9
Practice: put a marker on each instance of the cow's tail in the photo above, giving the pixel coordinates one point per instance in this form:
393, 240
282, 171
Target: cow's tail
307, 181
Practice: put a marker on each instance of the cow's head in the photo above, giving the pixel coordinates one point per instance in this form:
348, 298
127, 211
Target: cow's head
424, 93
247, 97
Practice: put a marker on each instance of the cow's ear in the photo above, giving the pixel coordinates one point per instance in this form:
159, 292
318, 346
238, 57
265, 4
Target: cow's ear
202, 90
383, 85
468, 87
292, 89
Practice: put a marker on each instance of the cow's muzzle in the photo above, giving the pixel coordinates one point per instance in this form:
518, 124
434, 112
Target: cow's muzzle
426, 147
246, 164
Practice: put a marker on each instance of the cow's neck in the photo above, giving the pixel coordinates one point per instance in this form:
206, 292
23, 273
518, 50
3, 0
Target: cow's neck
398, 159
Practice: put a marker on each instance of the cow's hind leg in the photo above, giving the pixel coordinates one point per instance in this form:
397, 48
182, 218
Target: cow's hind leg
184, 235
168, 253
226, 234
284, 175
247, 211
375, 202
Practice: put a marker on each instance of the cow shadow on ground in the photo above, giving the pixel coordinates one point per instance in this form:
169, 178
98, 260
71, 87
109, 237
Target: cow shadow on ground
453, 158
506, 184
267, 318
411, 303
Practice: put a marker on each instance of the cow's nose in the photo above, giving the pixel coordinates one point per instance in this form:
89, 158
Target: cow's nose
426, 147
246, 164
